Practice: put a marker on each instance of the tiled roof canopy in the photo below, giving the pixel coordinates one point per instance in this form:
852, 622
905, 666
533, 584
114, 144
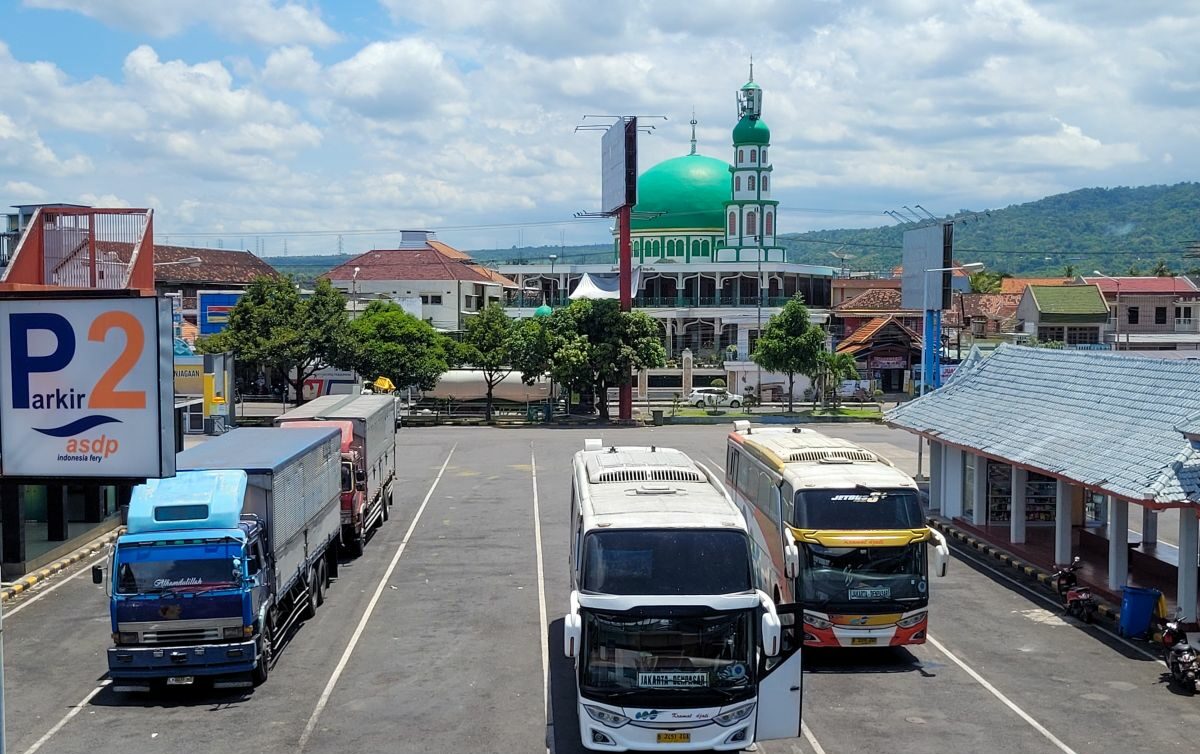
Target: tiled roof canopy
1018, 285
1069, 303
223, 266
435, 261
861, 338
1103, 421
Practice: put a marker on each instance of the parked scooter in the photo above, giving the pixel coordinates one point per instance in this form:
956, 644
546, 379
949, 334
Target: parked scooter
1181, 640
1077, 599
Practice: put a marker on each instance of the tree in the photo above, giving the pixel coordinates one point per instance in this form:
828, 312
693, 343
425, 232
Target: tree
834, 368
532, 346
1069, 271
789, 344
1161, 270
272, 326
487, 345
388, 342
985, 281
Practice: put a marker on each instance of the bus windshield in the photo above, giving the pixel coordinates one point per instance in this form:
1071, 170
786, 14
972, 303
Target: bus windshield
666, 561
667, 653
855, 575
858, 508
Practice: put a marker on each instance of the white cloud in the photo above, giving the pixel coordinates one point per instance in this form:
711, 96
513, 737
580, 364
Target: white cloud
24, 192
262, 21
408, 78
22, 149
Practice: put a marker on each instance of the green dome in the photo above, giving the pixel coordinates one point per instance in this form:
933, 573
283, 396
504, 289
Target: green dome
543, 311
690, 191
749, 131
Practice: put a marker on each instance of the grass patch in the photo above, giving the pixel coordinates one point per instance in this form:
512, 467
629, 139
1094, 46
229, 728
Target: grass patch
693, 411
731, 414
856, 413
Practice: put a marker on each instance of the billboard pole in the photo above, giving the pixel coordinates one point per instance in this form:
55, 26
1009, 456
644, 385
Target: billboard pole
625, 261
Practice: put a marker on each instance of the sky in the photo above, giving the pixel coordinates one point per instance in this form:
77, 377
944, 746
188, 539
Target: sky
260, 124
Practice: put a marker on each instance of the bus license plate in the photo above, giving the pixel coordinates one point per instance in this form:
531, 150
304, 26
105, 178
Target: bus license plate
180, 680
877, 593
674, 738
862, 641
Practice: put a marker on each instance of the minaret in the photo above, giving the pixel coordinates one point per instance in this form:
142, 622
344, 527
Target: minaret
693, 121
750, 214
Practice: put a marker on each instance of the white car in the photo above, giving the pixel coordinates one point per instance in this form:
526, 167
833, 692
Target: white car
704, 397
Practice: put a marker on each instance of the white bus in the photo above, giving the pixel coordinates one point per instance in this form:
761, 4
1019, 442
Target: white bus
674, 648
838, 531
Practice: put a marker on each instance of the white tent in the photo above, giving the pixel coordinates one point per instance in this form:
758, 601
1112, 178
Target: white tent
605, 285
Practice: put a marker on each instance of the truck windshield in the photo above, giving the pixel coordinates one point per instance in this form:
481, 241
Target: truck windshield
152, 569
667, 561
858, 508
852, 576
656, 653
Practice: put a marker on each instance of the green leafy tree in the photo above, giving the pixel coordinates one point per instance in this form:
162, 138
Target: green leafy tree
790, 344
532, 345
273, 326
1069, 271
1161, 270
835, 367
487, 345
985, 281
386, 341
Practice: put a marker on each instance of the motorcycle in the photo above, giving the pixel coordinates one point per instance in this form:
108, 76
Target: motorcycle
1181, 639
1077, 599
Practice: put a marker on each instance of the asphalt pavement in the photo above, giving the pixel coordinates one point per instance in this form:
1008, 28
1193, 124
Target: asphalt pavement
446, 637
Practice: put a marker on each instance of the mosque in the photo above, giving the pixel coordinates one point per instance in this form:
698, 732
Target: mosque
704, 244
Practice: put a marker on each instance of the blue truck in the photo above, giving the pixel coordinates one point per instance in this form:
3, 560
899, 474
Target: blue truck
221, 560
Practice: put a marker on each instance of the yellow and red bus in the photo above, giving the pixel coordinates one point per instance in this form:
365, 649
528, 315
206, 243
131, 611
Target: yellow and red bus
838, 531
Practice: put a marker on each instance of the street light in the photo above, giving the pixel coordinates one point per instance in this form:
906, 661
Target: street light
553, 282
188, 261
1117, 314
931, 350
354, 292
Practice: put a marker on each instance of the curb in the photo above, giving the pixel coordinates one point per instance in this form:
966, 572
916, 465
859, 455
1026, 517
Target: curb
27, 582
1103, 609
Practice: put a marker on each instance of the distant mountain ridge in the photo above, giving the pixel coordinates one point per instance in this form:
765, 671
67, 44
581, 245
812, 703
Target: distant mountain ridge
1114, 230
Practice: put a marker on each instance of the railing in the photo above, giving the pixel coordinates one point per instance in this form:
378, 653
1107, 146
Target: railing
1187, 324
660, 302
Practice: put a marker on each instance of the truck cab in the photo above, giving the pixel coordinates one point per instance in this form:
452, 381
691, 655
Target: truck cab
187, 583
353, 476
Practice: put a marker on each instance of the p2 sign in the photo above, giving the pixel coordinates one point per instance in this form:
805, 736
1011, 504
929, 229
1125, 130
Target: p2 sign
86, 388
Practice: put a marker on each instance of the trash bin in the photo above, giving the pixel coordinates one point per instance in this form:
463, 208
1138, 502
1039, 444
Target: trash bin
657, 414
1137, 607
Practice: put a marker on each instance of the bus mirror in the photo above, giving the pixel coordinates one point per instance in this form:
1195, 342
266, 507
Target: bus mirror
941, 560
97, 574
770, 634
791, 561
572, 633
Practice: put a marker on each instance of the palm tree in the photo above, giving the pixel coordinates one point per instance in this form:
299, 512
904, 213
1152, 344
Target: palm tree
1069, 271
834, 367
1161, 270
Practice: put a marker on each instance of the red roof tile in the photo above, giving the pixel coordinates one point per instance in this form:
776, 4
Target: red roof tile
1018, 285
1177, 286
992, 307
435, 261
861, 338
218, 266
873, 299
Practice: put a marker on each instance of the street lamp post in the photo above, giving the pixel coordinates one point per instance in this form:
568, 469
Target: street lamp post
1117, 314
553, 281
354, 294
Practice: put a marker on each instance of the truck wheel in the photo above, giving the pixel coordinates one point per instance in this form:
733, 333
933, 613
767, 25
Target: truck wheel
262, 668
322, 582
358, 544
384, 504
310, 596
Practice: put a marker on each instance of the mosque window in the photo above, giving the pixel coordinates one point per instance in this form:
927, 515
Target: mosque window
753, 155
750, 182
658, 248
764, 183
751, 224
704, 248
695, 248
732, 223
764, 156
768, 220
737, 183
741, 155
671, 248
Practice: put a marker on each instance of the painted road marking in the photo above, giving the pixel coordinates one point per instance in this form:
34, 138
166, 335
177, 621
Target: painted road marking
43, 592
66, 718
362, 623
812, 740
541, 583
1007, 702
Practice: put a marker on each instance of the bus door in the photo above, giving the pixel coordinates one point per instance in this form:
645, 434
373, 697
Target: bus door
781, 682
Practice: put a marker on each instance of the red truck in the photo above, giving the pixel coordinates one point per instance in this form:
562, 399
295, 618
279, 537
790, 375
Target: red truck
353, 468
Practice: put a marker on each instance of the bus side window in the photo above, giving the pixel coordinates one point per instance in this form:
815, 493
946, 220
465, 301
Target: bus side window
745, 479
789, 502
731, 464
765, 499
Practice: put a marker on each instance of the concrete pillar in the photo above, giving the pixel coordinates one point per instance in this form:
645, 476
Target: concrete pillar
686, 363
743, 341
979, 515
1187, 563
1062, 523
56, 513
1149, 528
643, 384
936, 480
1016, 507
12, 514
92, 504
952, 489
1118, 542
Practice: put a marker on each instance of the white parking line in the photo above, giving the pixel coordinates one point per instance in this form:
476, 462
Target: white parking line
43, 592
66, 719
1007, 702
362, 623
812, 740
541, 583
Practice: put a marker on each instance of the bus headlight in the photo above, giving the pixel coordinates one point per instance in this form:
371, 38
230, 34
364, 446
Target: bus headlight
911, 620
607, 717
734, 716
818, 623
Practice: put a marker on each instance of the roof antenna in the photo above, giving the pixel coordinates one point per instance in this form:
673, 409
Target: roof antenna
612, 449
693, 121
652, 448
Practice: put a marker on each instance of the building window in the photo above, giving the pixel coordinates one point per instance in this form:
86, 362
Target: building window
768, 221
1082, 335
658, 248
750, 182
704, 248
432, 299
695, 248
751, 224
1183, 312
1160, 315
753, 155
732, 223
1132, 314
764, 183
764, 156
737, 183
670, 248
741, 155
1047, 334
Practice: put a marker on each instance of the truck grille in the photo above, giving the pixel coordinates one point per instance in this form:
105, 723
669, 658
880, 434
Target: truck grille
181, 636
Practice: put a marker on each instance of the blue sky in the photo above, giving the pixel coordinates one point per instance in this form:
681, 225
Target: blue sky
287, 117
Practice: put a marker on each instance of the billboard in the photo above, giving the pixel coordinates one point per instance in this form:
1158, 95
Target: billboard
618, 165
213, 308
85, 388
925, 249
